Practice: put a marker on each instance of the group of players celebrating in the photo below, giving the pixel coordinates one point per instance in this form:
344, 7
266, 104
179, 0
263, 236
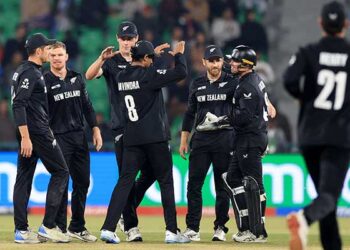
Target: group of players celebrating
228, 112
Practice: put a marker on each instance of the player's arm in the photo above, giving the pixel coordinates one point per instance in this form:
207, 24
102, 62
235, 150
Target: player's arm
271, 110
90, 117
95, 70
19, 104
188, 121
248, 102
184, 144
161, 78
293, 73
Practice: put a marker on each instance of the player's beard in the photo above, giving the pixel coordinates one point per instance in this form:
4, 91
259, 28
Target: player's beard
214, 72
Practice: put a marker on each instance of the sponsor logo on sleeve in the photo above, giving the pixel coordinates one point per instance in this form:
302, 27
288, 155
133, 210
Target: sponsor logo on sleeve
161, 71
25, 84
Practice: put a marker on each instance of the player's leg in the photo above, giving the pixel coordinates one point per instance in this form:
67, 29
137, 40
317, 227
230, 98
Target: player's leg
145, 180
133, 157
297, 224
329, 232
199, 163
21, 193
235, 190
51, 155
67, 150
80, 173
160, 159
118, 148
221, 162
250, 163
333, 168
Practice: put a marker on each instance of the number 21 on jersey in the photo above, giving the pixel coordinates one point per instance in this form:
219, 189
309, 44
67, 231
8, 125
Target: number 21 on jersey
331, 81
130, 105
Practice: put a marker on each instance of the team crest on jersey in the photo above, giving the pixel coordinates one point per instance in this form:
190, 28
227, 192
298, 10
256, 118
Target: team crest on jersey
203, 87
25, 84
222, 84
161, 71
73, 80
247, 96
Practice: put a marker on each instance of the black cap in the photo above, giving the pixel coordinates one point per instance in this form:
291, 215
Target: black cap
333, 17
142, 48
212, 51
37, 40
127, 29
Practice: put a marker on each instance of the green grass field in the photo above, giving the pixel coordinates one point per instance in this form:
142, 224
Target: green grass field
152, 229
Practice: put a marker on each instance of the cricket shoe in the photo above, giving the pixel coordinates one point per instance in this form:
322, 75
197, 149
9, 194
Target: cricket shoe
171, 237
298, 229
219, 234
244, 237
133, 235
192, 235
54, 234
26, 237
83, 236
109, 237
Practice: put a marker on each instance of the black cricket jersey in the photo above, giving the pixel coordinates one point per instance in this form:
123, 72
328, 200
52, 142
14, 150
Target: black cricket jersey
68, 102
216, 98
141, 92
324, 117
111, 68
29, 98
250, 115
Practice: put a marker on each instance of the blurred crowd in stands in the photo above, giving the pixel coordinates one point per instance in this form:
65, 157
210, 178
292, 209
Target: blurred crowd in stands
226, 23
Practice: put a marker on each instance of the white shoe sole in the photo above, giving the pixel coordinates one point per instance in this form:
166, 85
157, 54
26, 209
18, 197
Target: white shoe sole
47, 237
27, 242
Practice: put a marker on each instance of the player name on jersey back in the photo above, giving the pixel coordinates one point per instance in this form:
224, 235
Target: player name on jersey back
124, 86
333, 59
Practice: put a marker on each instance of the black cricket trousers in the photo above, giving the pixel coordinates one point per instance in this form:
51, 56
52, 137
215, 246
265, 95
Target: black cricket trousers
199, 163
145, 180
46, 148
134, 157
75, 150
327, 166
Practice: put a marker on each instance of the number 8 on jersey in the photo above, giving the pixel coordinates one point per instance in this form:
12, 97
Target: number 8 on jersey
130, 105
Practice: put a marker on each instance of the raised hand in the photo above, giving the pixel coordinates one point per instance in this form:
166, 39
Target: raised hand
160, 49
179, 48
108, 53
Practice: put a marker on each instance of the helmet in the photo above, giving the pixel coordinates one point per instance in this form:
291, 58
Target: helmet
244, 55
